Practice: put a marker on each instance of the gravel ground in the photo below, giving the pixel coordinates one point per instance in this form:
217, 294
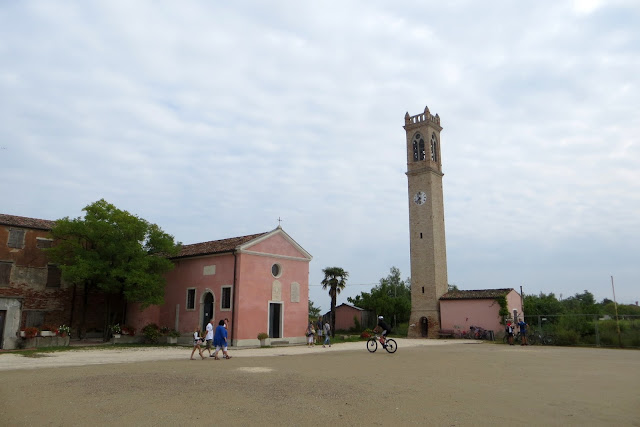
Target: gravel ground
426, 382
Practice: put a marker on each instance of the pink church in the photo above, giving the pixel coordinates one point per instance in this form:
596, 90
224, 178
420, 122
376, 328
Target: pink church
260, 283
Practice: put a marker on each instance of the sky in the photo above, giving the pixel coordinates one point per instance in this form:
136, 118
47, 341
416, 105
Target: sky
215, 119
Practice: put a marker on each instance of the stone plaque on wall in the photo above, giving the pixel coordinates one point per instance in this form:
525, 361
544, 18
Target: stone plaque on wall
209, 270
295, 292
276, 291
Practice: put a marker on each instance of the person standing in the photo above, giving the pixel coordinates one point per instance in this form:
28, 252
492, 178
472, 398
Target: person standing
319, 327
310, 334
327, 334
220, 341
509, 331
197, 340
209, 337
523, 331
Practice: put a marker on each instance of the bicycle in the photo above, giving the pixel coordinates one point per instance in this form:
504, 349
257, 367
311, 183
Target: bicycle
389, 344
478, 333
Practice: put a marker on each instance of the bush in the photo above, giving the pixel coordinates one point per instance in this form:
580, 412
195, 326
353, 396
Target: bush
263, 336
174, 334
565, 337
151, 333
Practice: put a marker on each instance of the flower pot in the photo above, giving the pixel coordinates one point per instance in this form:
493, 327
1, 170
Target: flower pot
22, 334
172, 340
47, 333
263, 343
116, 335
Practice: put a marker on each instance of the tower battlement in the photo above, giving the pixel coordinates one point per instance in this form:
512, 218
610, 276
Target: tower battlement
419, 118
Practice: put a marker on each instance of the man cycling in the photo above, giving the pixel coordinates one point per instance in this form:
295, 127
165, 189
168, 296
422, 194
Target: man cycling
383, 328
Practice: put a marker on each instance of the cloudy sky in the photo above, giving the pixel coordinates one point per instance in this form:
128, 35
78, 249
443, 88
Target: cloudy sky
214, 119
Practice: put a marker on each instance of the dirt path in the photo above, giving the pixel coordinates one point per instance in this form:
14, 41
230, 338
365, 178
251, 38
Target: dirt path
425, 383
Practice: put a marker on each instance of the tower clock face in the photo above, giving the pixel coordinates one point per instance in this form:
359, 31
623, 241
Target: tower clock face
420, 198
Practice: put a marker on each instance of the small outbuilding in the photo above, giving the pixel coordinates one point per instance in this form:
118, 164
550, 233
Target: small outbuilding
459, 310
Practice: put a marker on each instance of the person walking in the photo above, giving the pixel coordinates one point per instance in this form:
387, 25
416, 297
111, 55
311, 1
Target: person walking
220, 341
209, 337
319, 325
327, 334
197, 341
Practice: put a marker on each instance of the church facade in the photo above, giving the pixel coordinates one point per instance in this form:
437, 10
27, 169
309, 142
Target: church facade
259, 283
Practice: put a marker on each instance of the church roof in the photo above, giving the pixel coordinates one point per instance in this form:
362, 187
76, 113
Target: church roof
477, 294
216, 246
21, 221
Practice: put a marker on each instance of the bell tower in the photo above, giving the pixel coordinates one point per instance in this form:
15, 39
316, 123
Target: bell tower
426, 223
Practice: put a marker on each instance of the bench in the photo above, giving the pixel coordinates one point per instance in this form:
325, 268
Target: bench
444, 333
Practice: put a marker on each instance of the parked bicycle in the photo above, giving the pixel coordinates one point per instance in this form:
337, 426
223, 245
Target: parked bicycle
478, 333
389, 344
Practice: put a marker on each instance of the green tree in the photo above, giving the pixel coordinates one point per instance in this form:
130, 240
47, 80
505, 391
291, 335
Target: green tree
542, 304
583, 303
335, 279
314, 311
391, 298
115, 252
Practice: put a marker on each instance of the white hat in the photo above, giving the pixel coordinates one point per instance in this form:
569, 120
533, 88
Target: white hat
380, 317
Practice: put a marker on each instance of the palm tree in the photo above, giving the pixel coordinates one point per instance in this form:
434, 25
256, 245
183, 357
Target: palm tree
335, 278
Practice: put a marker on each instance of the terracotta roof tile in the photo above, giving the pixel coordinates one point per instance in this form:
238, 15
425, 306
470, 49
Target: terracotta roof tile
21, 221
216, 246
477, 294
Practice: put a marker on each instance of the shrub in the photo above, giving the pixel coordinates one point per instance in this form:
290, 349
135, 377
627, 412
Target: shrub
263, 336
367, 333
356, 323
151, 333
565, 337
174, 334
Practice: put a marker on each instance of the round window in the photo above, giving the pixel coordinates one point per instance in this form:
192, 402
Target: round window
276, 270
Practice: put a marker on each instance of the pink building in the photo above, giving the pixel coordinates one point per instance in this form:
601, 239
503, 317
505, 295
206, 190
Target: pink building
462, 309
260, 283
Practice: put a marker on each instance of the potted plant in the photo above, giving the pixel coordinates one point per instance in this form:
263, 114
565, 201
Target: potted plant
47, 331
29, 332
64, 330
262, 336
172, 336
116, 330
128, 330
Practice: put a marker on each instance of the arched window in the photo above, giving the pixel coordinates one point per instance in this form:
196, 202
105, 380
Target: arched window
418, 147
434, 147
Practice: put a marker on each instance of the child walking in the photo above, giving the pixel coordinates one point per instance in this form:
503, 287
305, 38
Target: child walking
197, 340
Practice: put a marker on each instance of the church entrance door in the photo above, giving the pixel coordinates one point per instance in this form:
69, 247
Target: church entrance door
275, 319
207, 310
424, 326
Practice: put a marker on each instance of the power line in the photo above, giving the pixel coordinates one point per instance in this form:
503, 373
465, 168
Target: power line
355, 284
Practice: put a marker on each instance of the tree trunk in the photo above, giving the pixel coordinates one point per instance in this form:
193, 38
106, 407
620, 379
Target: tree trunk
333, 312
85, 302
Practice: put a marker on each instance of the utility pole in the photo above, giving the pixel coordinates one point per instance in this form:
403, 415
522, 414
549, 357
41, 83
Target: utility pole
615, 305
